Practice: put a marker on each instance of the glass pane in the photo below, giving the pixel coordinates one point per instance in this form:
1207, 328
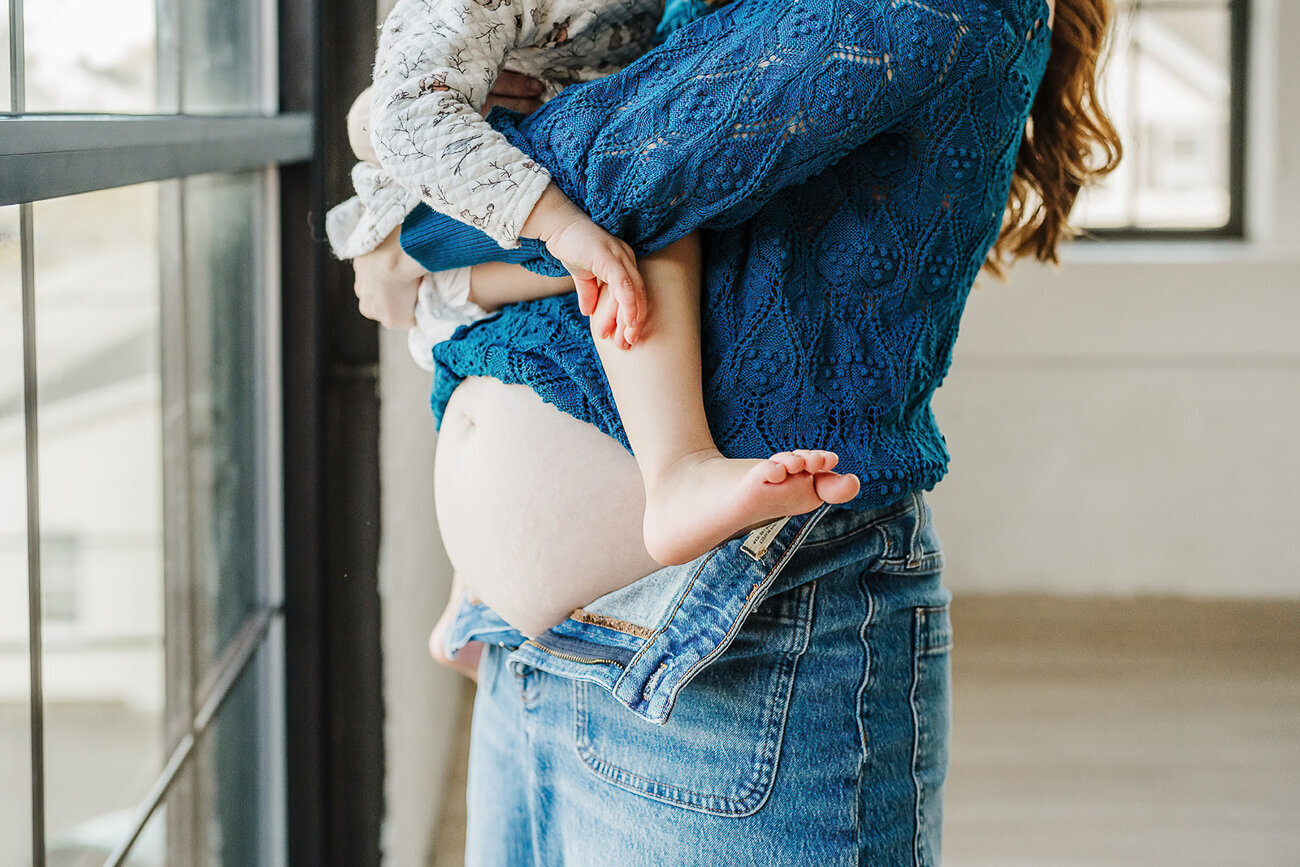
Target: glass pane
97, 278
91, 843
221, 58
15, 684
150, 849
6, 102
232, 812
223, 243
1168, 87
107, 62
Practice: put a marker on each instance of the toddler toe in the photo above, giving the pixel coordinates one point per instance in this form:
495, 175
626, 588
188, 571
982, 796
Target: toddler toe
792, 461
771, 472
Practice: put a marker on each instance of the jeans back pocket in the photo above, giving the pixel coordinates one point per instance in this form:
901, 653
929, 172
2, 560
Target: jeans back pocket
719, 751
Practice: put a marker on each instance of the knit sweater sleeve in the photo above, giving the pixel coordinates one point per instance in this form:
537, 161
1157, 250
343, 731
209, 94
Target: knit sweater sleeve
759, 96
437, 60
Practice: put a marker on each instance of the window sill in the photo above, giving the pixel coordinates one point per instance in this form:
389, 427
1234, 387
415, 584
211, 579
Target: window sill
1192, 251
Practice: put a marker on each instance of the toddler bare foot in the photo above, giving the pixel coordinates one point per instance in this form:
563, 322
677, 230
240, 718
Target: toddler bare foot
703, 499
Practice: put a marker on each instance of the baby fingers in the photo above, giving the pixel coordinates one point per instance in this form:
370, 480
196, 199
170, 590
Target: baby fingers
604, 321
588, 290
631, 309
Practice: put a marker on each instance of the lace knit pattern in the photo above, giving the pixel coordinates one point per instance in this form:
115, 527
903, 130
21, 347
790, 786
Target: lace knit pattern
436, 63
851, 159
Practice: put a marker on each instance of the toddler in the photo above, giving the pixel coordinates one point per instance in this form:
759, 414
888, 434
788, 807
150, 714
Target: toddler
437, 61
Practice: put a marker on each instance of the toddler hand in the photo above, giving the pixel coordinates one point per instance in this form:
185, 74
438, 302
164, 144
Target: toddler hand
598, 261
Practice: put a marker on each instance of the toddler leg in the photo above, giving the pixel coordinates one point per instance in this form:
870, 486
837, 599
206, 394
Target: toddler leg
696, 497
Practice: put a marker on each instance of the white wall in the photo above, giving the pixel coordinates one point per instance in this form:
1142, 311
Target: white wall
421, 700
1130, 423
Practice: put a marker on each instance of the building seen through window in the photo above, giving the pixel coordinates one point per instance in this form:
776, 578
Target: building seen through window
1174, 88
140, 699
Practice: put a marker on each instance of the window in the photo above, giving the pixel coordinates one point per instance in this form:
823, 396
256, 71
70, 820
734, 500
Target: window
1175, 86
142, 650
59, 561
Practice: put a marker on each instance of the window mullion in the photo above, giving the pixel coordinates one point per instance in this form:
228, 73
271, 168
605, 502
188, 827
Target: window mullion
17, 73
34, 634
178, 553
1239, 73
168, 55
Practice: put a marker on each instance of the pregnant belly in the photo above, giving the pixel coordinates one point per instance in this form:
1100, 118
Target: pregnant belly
540, 513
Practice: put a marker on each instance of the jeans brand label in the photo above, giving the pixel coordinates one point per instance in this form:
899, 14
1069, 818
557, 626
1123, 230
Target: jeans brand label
757, 542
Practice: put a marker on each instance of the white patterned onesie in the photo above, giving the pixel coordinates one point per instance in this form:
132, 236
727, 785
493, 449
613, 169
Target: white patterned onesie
437, 61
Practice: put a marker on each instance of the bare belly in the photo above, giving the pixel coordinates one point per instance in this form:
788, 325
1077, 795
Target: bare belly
540, 513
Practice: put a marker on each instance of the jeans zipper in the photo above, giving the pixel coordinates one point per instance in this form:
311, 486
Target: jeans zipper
570, 657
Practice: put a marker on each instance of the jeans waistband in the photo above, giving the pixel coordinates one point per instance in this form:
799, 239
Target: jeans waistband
645, 642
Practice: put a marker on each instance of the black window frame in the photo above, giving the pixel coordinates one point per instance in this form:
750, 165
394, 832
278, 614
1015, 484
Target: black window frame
1235, 229
334, 760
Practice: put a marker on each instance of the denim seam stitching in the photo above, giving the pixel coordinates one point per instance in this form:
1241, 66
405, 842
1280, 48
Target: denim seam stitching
875, 523
920, 620
681, 597
866, 672
751, 601
861, 709
775, 715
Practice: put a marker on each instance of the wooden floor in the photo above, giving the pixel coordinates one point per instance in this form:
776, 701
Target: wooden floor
1112, 732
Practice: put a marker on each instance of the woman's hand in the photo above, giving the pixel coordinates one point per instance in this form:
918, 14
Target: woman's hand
466, 661
515, 91
388, 283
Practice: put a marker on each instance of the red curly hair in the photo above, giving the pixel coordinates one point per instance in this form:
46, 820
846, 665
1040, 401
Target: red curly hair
1069, 141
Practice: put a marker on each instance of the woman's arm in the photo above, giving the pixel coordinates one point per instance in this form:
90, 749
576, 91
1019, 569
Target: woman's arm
757, 97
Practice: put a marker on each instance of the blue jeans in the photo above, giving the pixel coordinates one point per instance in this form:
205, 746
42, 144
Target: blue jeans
817, 736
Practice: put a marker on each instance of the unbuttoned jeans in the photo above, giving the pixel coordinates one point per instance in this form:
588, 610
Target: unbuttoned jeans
818, 736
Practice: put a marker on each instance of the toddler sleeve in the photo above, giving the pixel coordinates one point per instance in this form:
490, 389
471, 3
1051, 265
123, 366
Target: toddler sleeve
437, 61
442, 306
758, 96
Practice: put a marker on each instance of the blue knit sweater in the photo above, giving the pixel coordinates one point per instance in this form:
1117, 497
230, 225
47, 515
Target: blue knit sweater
850, 160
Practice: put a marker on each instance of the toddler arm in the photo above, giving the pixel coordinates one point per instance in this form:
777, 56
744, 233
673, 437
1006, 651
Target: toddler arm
493, 285
436, 63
